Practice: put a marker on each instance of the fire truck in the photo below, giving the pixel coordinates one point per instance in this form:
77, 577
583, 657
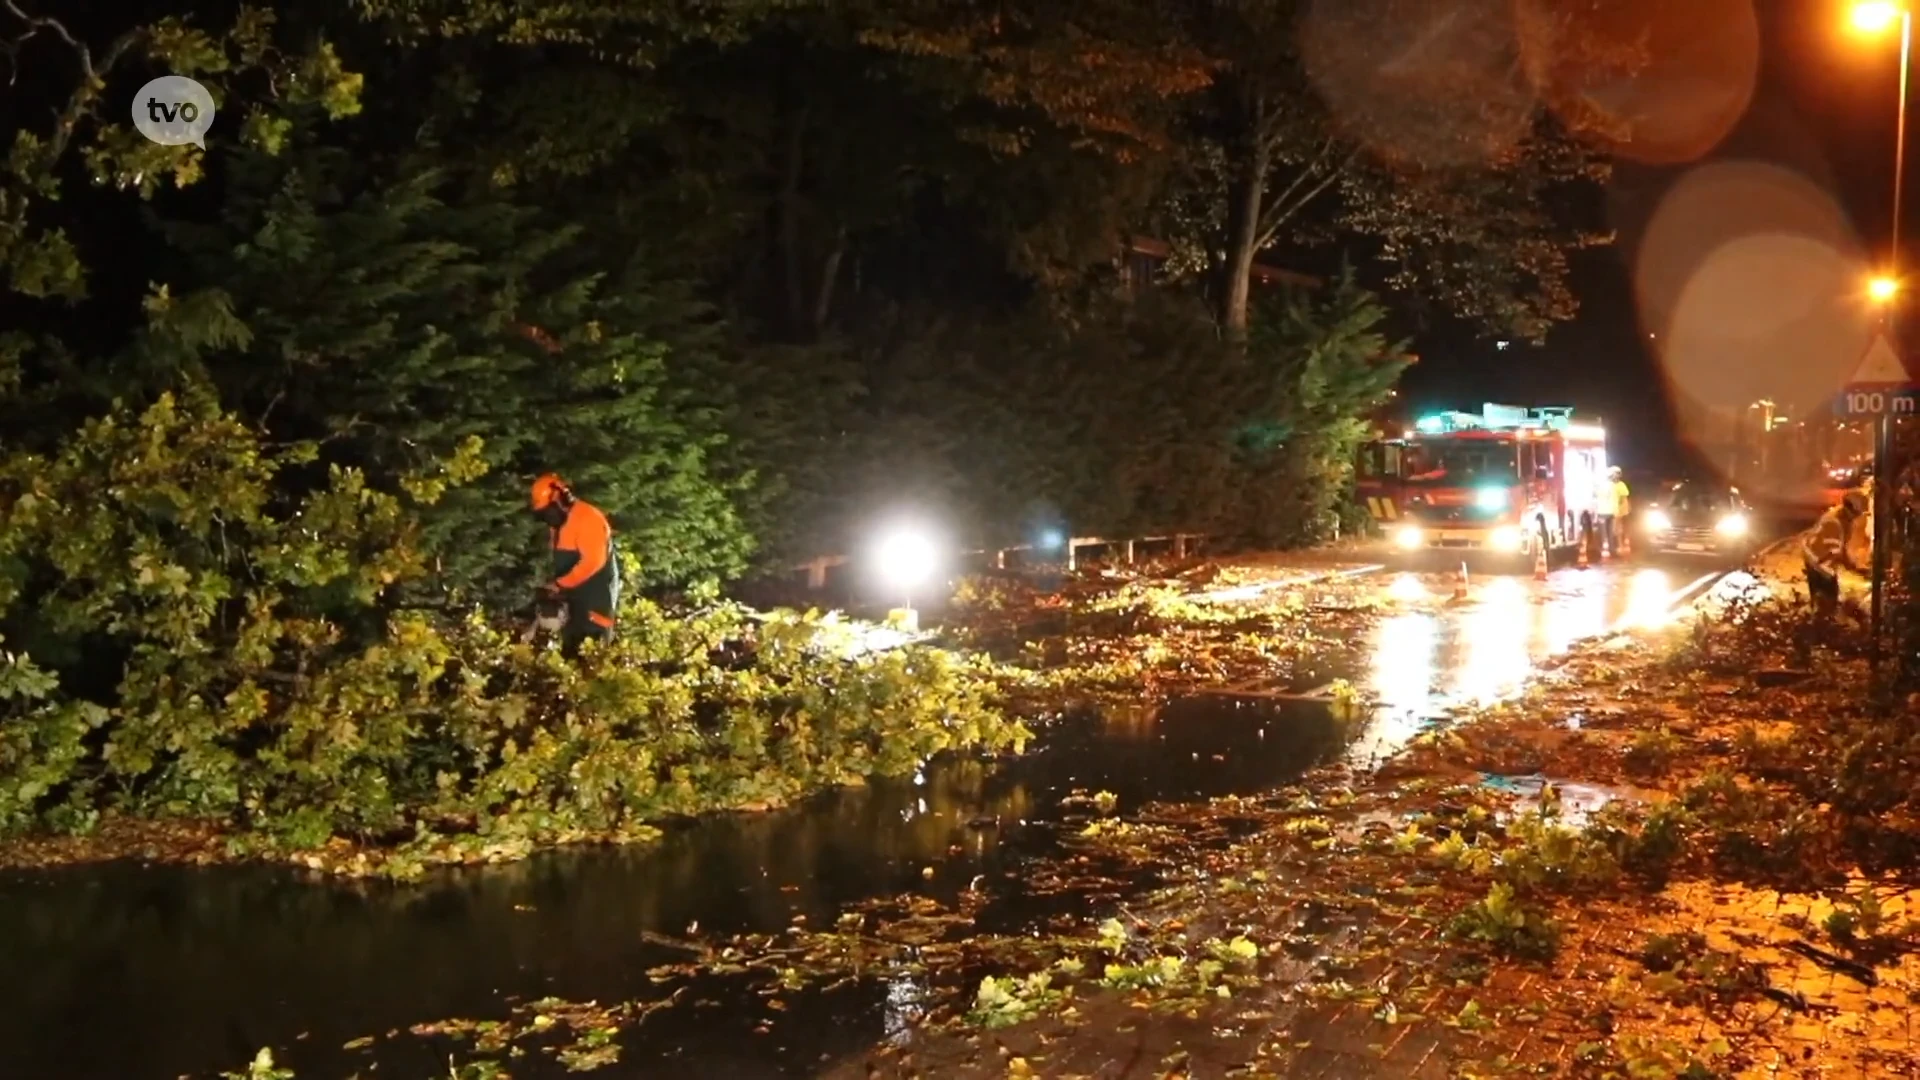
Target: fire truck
1505, 480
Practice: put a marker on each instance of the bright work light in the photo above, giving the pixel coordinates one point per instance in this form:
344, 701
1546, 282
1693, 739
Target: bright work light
905, 557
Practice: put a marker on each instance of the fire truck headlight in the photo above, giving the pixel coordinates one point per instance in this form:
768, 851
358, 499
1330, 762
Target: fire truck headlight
1505, 538
1658, 521
1732, 525
1491, 498
1409, 537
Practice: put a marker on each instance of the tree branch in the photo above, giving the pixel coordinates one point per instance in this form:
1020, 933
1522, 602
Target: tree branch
1292, 200
1272, 217
92, 75
36, 23
1270, 127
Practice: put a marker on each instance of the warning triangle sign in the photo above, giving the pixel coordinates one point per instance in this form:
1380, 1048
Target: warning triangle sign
1881, 366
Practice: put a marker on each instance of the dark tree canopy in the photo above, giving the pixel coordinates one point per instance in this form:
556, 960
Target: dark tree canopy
746, 273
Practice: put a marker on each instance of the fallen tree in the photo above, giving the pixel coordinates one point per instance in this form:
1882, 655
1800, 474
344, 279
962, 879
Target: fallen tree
230, 657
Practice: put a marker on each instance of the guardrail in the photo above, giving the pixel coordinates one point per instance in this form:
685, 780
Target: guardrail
816, 569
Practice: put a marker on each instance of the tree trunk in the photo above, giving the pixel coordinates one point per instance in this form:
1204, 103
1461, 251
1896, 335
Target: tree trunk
793, 173
829, 274
1243, 233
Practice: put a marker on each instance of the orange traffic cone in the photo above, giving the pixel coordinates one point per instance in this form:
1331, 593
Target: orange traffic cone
1586, 537
1540, 559
1460, 587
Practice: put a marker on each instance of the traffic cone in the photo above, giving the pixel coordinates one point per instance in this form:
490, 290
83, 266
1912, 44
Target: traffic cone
1460, 587
1540, 559
1586, 537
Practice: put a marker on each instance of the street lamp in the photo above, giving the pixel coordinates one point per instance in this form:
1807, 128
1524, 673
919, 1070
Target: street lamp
1875, 17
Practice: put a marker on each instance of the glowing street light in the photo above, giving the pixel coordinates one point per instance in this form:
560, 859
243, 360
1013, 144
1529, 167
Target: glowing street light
1875, 16
1882, 289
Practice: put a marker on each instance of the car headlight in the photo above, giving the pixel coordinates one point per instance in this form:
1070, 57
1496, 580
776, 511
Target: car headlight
1409, 537
1732, 525
1491, 498
1505, 538
1658, 521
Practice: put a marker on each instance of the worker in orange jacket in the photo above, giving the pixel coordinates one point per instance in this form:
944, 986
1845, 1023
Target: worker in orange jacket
586, 566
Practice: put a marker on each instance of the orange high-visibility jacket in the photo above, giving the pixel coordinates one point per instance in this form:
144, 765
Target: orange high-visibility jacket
586, 566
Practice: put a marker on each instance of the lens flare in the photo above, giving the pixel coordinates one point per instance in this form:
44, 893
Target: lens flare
1419, 82
1749, 280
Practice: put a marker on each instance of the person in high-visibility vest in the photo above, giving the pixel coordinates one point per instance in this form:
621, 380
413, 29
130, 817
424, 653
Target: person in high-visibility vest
586, 566
1825, 551
1610, 505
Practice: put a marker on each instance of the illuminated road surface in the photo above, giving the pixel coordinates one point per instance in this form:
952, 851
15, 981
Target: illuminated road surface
1433, 652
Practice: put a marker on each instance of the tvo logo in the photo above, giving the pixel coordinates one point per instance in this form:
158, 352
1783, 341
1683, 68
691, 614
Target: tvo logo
174, 110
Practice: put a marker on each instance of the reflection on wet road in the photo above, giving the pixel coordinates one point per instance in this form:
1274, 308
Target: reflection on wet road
190, 970
1436, 650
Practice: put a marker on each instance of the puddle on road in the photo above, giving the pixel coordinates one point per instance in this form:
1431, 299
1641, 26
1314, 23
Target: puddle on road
191, 970
1578, 802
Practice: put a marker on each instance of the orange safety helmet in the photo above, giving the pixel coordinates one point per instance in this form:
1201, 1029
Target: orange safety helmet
550, 489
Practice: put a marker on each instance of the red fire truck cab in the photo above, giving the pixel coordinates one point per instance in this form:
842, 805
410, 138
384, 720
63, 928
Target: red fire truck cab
1506, 480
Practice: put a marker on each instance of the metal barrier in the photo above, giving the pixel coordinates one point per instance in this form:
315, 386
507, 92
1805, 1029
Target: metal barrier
816, 569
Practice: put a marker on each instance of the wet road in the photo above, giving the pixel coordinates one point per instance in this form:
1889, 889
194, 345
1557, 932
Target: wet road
1436, 649
129, 972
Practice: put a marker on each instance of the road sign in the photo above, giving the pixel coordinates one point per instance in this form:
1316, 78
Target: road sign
1900, 401
1880, 385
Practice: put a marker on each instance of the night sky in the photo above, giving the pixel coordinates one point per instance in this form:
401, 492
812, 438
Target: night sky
1821, 104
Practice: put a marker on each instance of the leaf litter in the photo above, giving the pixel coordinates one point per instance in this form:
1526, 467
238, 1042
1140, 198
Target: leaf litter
1375, 921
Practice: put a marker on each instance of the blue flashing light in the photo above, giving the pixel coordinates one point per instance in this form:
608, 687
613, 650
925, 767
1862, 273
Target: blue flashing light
1491, 498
